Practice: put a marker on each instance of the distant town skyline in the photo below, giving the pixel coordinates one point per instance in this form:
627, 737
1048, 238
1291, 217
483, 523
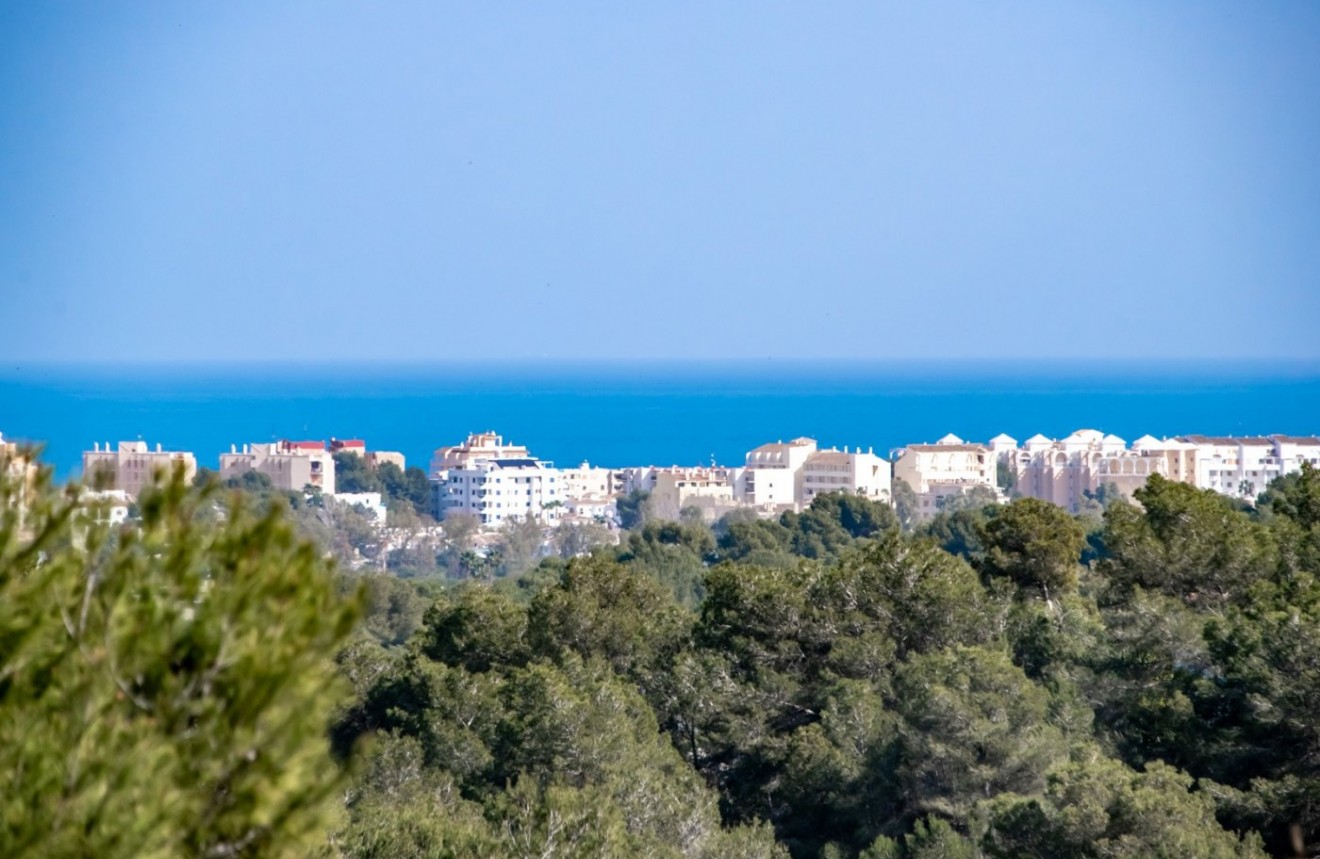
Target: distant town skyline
442, 182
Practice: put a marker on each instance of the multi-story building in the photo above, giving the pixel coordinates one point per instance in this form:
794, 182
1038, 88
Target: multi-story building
946, 469
587, 481
854, 472
1066, 471
589, 492
484, 445
676, 489
131, 466
1244, 467
495, 482
291, 465
772, 474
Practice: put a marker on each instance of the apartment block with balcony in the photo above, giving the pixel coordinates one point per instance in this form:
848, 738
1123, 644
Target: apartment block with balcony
495, 482
854, 472
772, 474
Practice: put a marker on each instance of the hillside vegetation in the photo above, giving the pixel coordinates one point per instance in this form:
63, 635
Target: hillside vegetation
1008, 682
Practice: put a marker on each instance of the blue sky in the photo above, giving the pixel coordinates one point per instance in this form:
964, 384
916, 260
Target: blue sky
328, 181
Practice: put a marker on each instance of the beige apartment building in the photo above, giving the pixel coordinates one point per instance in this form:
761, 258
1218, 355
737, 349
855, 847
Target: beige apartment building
291, 465
949, 468
1064, 471
483, 445
131, 465
707, 489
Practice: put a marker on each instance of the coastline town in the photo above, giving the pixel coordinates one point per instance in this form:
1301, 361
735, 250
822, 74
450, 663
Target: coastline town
495, 482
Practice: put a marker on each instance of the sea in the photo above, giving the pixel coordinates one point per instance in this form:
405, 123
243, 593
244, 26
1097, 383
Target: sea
619, 414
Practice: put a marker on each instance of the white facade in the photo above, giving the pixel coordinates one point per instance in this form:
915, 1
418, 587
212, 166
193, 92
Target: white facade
586, 481
108, 506
1244, 467
604, 510
132, 465
772, 474
495, 482
857, 473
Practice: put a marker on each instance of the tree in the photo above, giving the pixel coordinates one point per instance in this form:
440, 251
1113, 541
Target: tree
972, 498
1296, 496
354, 474
521, 545
905, 504
411, 487
634, 509
166, 687
1187, 542
579, 538
1099, 809
460, 529
973, 726
1034, 543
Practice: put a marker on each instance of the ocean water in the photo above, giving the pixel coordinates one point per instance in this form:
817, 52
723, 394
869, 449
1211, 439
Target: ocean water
641, 413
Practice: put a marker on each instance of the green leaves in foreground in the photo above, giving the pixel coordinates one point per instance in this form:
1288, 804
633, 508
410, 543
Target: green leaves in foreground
164, 689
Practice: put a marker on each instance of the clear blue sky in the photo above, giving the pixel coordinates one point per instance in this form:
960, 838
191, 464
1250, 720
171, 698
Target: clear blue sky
311, 181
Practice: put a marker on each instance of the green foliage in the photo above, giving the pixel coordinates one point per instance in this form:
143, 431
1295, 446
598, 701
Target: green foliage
164, 688
672, 554
1186, 542
959, 532
1101, 808
973, 726
815, 685
1035, 544
354, 474
905, 504
601, 609
634, 509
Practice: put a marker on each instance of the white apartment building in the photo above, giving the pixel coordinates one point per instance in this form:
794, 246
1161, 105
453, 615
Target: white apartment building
495, 482
855, 472
588, 492
772, 474
1244, 467
592, 509
131, 465
291, 465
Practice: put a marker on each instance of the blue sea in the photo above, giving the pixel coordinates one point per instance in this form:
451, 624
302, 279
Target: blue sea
618, 414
